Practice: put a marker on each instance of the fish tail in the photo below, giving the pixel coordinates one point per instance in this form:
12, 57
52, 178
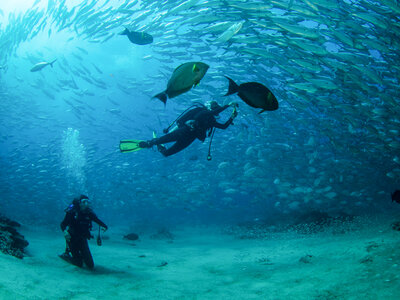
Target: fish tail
233, 87
162, 96
51, 64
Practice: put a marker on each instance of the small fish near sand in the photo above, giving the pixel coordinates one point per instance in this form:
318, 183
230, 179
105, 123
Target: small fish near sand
162, 264
396, 196
396, 226
138, 38
41, 65
183, 79
254, 94
131, 237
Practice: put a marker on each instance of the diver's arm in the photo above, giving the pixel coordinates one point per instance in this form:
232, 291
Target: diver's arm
228, 122
225, 125
66, 221
219, 110
94, 218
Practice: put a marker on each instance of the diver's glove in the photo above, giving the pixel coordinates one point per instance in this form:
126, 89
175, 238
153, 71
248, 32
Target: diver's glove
234, 113
67, 235
104, 228
234, 104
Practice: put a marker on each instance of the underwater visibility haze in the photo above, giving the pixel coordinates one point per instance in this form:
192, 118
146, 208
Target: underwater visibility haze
76, 77
297, 196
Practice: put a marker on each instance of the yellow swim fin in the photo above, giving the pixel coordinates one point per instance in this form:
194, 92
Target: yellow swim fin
130, 145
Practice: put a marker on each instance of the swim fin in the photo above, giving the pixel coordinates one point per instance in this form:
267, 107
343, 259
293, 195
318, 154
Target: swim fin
65, 256
130, 145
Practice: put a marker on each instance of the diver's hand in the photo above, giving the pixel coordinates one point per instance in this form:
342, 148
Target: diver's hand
104, 229
67, 236
234, 104
234, 113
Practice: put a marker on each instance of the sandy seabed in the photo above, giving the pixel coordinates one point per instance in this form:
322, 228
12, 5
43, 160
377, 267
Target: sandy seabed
208, 263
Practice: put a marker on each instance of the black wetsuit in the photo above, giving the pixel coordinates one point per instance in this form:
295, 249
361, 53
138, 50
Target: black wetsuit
203, 120
79, 225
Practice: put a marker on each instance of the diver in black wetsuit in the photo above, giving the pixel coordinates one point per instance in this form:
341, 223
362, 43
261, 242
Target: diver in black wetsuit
193, 124
76, 226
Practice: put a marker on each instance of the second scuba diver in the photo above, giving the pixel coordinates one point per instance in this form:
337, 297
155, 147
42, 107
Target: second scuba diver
194, 123
76, 226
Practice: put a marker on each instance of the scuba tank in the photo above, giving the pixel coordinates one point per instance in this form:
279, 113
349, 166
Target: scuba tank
196, 105
73, 205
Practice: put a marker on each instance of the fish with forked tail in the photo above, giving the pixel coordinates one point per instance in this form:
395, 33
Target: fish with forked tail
41, 65
131, 237
138, 38
254, 94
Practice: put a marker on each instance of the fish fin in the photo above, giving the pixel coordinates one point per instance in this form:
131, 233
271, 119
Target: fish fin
162, 96
262, 111
51, 64
233, 87
195, 68
125, 32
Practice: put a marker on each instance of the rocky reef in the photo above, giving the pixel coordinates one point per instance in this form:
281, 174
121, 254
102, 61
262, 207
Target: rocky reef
11, 241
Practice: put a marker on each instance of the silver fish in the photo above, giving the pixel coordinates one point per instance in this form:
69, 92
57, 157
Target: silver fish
41, 65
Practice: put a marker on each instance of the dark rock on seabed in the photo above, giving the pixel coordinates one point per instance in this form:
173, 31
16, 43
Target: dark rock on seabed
11, 241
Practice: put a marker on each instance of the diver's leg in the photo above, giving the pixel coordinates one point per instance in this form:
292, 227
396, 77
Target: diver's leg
75, 248
67, 248
87, 256
170, 137
67, 252
180, 144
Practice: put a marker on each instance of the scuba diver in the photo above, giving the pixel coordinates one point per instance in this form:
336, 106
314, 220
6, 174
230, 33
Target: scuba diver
197, 122
76, 226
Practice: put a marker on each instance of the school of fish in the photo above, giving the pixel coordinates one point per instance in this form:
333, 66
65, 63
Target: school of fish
333, 67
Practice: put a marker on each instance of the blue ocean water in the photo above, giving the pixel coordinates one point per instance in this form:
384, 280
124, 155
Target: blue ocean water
333, 144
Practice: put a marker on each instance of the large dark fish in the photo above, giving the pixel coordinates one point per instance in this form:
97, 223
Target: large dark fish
183, 79
139, 38
254, 94
131, 237
396, 196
